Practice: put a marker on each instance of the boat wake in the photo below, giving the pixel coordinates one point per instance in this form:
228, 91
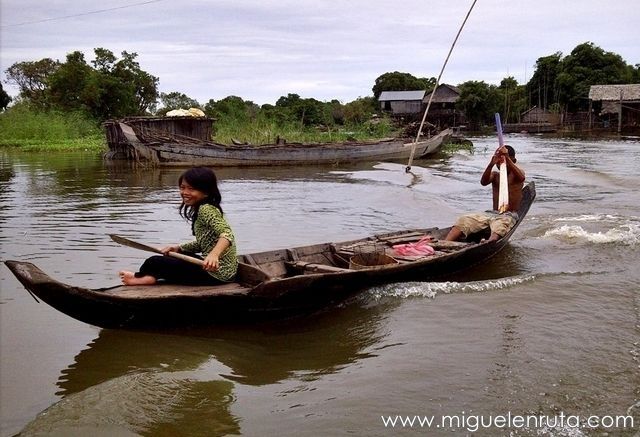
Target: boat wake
625, 234
597, 228
596, 218
593, 229
432, 289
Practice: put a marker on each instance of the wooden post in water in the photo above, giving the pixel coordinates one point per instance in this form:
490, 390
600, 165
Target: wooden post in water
620, 114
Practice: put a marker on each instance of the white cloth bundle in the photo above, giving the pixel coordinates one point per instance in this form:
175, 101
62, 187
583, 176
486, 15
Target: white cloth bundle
503, 193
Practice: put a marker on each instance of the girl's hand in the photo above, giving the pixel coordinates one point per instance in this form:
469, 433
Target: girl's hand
211, 262
165, 250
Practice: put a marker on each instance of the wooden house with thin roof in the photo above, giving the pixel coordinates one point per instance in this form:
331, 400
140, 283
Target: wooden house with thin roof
443, 110
534, 120
615, 106
402, 103
412, 104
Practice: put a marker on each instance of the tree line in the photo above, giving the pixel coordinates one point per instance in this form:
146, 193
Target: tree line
112, 87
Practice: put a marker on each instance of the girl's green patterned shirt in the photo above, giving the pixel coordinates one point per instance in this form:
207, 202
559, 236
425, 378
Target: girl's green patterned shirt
209, 227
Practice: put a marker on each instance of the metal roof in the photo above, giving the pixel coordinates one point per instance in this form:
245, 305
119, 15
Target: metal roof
401, 95
615, 92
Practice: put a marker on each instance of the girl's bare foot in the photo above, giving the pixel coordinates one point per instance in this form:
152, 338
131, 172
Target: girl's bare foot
129, 278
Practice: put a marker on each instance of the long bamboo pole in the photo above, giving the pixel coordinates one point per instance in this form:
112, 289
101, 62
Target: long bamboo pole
426, 111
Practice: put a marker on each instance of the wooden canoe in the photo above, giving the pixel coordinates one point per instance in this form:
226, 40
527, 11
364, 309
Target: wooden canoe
269, 284
127, 143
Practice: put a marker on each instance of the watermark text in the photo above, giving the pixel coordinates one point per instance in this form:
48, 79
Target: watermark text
474, 422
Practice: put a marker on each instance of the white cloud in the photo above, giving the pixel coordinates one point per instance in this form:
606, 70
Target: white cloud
260, 50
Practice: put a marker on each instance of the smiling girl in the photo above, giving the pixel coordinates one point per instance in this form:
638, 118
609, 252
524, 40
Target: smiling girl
214, 239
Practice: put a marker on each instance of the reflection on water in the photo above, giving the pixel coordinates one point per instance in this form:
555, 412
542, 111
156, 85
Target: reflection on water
183, 382
256, 355
149, 403
549, 325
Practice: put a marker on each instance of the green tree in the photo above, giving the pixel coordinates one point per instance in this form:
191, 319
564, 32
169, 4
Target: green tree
176, 100
307, 112
105, 95
359, 110
5, 99
105, 60
67, 83
142, 85
336, 111
589, 65
512, 97
232, 108
398, 81
108, 89
479, 101
32, 79
277, 114
543, 85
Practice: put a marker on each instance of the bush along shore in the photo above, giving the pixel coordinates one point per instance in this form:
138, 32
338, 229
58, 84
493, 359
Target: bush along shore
263, 130
52, 130
35, 130
31, 129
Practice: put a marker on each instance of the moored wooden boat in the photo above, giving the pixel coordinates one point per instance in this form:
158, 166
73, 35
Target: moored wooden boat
127, 142
269, 284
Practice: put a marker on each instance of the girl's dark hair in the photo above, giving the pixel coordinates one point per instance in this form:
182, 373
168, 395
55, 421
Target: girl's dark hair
202, 179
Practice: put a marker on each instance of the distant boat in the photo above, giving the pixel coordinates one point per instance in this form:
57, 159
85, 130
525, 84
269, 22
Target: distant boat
270, 284
137, 140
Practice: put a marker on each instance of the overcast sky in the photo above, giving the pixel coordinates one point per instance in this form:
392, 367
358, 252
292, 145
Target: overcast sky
263, 49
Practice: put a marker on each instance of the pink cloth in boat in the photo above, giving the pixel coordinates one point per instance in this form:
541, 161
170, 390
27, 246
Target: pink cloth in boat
419, 248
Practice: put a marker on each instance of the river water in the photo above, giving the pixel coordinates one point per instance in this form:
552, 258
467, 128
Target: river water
548, 328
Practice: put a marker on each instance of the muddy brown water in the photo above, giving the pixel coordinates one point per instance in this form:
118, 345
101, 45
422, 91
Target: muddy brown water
549, 327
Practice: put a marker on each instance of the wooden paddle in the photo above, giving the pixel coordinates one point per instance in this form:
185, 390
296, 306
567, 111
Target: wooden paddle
130, 243
503, 192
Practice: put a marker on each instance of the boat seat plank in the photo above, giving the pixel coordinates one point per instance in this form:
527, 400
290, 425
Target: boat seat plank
249, 260
444, 244
251, 274
309, 251
364, 246
403, 238
316, 268
405, 259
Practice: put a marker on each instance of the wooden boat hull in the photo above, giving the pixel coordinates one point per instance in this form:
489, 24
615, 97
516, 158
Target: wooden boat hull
212, 154
270, 284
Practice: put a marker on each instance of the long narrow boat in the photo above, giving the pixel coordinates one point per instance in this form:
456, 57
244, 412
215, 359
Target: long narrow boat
170, 149
269, 284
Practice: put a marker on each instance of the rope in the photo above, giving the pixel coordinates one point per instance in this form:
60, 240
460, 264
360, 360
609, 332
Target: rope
424, 116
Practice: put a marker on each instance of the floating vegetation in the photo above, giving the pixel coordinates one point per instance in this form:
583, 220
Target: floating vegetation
458, 146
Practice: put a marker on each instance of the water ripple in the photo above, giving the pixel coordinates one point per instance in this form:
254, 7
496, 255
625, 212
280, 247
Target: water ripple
432, 289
